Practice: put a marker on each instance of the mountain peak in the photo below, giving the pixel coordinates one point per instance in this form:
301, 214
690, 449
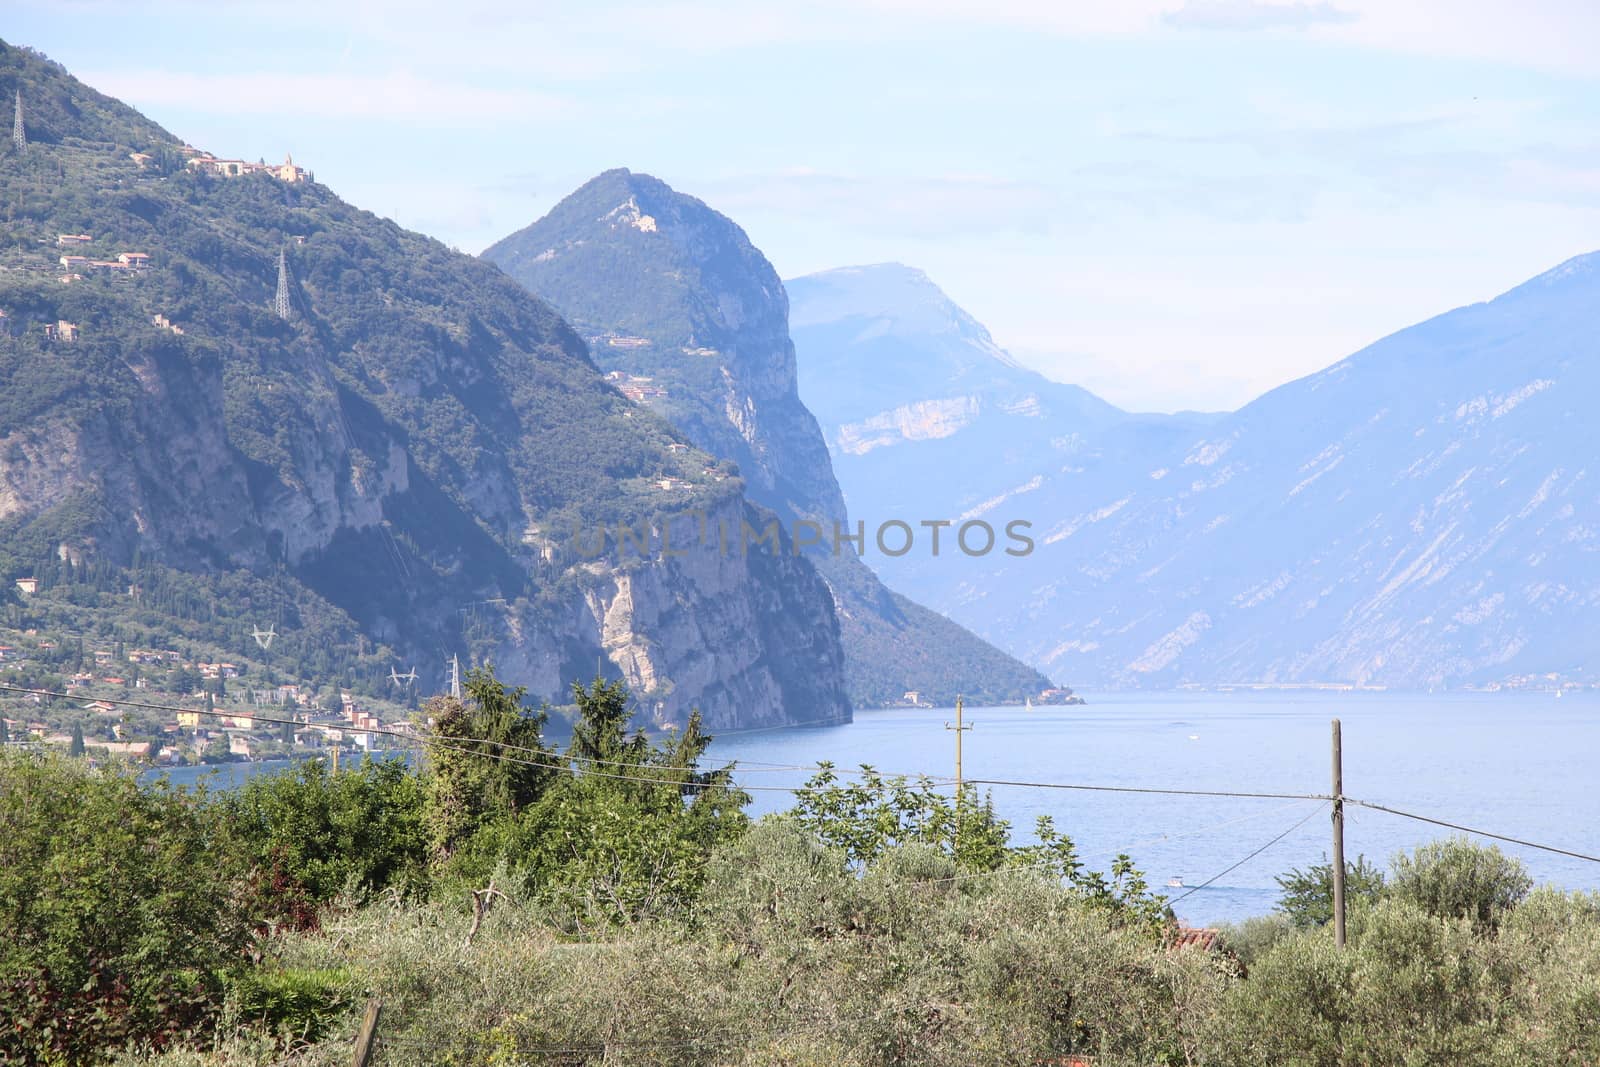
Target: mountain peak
886, 299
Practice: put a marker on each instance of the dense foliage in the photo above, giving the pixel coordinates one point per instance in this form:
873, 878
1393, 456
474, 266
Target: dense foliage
610, 903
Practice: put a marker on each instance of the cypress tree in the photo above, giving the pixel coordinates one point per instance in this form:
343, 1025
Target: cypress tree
76, 747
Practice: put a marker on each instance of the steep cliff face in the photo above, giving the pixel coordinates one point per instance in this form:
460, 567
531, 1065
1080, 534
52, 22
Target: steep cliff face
689, 319
737, 635
415, 436
705, 319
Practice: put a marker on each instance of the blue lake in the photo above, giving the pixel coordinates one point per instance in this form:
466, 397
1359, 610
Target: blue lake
1517, 764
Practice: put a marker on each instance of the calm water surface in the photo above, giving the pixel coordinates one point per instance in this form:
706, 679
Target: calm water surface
1518, 764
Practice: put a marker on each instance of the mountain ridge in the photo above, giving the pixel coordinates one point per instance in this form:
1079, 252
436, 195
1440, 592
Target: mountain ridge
411, 446
1417, 514
688, 317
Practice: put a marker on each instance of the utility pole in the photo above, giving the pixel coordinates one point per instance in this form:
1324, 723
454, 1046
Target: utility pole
959, 729
1338, 837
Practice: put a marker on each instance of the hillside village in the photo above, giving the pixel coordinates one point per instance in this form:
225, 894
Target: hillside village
172, 707
78, 258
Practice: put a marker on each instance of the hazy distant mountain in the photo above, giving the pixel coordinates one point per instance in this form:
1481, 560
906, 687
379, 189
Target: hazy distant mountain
1419, 514
905, 382
690, 319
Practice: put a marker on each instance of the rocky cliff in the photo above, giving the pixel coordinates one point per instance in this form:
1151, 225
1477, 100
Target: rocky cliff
412, 444
689, 320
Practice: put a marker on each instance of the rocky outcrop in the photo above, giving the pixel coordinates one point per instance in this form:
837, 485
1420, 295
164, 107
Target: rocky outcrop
665, 288
736, 635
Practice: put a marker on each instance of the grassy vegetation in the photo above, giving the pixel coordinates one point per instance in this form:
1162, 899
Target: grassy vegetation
610, 903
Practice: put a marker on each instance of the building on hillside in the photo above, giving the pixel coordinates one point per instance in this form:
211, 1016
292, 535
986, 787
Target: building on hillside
1204, 939
69, 240
61, 331
74, 262
287, 171
130, 749
136, 260
140, 159
28, 585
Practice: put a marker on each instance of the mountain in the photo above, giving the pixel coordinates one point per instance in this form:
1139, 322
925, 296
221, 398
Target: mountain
1419, 514
898, 374
687, 317
280, 404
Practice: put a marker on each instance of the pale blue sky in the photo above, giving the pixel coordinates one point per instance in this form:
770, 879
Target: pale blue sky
1177, 203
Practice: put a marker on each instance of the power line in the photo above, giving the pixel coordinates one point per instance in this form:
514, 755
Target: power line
556, 761
1253, 855
1147, 789
757, 788
1472, 830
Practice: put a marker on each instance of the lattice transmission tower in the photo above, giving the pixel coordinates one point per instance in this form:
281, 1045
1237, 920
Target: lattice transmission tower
19, 134
281, 303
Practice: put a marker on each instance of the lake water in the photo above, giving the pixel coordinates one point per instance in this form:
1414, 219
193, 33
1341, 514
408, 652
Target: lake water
1517, 764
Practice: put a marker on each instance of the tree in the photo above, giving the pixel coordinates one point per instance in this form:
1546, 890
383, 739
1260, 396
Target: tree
5, 733
310, 834
625, 834
75, 747
487, 758
117, 919
1308, 894
871, 814
1457, 879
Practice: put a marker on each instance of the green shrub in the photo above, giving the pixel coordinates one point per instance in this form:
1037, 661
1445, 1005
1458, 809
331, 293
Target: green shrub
1456, 878
119, 912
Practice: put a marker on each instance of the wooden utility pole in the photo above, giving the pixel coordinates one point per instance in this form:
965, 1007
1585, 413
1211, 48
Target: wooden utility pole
959, 729
367, 1036
1338, 837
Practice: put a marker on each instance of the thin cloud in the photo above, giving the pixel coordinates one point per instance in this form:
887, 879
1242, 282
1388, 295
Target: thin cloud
399, 96
1253, 15
908, 206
